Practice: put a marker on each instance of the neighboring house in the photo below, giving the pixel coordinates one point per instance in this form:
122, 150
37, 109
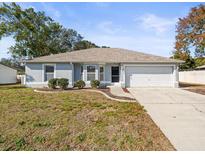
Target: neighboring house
7, 74
112, 66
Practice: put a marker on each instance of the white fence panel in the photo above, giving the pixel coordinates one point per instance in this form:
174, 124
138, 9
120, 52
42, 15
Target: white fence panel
195, 77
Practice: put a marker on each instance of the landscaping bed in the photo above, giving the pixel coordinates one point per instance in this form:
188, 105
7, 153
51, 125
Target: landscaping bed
105, 90
75, 120
58, 90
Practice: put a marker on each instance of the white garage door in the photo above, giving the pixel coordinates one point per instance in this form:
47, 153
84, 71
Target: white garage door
149, 76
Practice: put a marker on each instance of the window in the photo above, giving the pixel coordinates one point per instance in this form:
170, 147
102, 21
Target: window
90, 73
49, 72
101, 73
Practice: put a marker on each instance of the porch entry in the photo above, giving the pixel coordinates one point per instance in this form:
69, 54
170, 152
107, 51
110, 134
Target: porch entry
115, 73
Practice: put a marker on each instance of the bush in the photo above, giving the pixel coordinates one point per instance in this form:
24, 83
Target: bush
95, 83
63, 83
80, 84
52, 83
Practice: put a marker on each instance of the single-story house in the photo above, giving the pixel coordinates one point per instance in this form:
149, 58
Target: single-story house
7, 74
112, 66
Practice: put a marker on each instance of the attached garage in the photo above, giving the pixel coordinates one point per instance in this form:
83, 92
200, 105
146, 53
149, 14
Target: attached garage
149, 76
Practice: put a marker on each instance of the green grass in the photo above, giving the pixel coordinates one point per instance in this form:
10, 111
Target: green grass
75, 120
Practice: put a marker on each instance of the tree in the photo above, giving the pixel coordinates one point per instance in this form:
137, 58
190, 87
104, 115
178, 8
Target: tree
84, 44
200, 61
190, 36
105, 46
34, 32
7, 62
189, 61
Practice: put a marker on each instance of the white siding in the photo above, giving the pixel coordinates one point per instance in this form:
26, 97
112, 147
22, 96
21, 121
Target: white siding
7, 75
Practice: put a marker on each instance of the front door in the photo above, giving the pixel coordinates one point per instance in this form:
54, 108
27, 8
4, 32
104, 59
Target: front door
115, 73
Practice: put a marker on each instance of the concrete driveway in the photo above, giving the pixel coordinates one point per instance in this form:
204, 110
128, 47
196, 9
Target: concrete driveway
180, 114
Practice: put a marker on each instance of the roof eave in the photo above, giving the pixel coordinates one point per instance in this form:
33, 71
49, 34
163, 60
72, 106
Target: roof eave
139, 62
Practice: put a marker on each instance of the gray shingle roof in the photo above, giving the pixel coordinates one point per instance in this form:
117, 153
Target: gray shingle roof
104, 55
8, 66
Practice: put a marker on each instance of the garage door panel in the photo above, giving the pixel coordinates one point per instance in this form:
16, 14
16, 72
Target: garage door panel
149, 76
150, 69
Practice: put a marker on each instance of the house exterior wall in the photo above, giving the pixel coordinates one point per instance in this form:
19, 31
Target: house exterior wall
64, 71
35, 73
7, 75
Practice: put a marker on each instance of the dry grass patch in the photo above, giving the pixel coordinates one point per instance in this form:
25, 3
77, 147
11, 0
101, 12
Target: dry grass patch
76, 120
199, 90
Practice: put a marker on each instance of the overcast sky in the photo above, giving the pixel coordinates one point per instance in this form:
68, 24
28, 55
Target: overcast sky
146, 27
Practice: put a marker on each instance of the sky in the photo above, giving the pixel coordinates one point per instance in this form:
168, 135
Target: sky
146, 27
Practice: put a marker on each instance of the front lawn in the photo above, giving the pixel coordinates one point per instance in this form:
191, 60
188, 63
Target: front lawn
75, 120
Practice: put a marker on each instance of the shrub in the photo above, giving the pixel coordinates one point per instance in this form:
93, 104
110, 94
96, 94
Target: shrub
52, 83
63, 83
80, 84
95, 83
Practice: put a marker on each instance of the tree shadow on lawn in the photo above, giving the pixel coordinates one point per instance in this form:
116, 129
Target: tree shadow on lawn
12, 86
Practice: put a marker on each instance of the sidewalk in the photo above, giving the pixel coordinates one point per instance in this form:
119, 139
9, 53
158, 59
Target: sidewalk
118, 91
